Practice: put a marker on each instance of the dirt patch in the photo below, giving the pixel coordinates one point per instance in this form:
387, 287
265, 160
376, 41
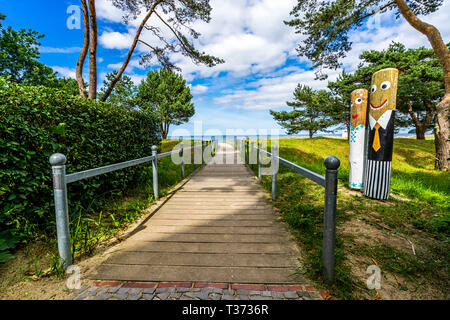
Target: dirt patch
369, 231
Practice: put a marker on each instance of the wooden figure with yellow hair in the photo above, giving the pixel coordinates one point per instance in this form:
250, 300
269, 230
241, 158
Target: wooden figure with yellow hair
383, 97
358, 144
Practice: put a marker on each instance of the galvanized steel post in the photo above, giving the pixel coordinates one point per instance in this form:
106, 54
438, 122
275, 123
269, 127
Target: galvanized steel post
259, 160
247, 153
58, 162
202, 150
274, 172
155, 171
332, 164
182, 159
252, 160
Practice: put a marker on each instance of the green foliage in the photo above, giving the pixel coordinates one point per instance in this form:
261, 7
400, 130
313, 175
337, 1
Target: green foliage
7, 242
311, 111
38, 121
124, 91
19, 52
166, 95
327, 25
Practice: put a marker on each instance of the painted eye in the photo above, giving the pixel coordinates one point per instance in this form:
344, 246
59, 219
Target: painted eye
385, 85
374, 88
358, 100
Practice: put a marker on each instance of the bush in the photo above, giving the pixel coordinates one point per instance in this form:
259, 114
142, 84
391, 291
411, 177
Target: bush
38, 121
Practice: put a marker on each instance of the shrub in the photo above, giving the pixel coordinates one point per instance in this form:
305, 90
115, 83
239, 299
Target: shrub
37, 121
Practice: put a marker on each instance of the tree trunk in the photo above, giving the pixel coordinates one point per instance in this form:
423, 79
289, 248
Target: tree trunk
421, 127
84, 50
442, 127
93, 52
310, 134
130, 53
442, 133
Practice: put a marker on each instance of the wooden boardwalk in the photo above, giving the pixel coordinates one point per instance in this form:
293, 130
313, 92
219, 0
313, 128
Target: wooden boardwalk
219, 227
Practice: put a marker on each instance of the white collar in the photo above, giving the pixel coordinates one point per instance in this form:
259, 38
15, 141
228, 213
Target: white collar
382, 121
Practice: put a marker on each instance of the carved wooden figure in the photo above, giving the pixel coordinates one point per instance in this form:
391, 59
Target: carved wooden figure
358, 144
383, 96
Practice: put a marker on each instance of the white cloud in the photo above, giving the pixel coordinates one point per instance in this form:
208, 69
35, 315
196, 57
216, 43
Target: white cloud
254, 42
64, 71
116, 40
59, 50
198, 89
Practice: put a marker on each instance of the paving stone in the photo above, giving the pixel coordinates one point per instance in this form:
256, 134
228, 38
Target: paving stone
215, 296
92, 293
123, 290
229, 292
175, 295
83, 296
254, 292
135, 291
202, 295
227, 297
112, 289
217, 290
191, 294
163, 295
148, 290
277, 295
161, 290
291, 294
266, 293
134, 296
315, 295
185, 298
148, 296
120, 296
91, 289
104, 296
242, 292
259, 298
306, 295
82, 289
243, 297
182, 289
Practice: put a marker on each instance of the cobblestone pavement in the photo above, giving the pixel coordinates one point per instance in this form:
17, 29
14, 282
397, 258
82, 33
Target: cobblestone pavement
104, 290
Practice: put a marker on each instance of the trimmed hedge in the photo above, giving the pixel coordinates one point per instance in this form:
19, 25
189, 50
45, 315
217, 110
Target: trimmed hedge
38, 121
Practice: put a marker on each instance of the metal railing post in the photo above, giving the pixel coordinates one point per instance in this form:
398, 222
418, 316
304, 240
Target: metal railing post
259, 160
202, 150
274, 173
58, 163
247, 152
332, 164
182, 159
252, 160
195, 152
155, 171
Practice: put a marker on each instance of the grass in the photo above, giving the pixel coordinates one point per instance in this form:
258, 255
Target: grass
417, 213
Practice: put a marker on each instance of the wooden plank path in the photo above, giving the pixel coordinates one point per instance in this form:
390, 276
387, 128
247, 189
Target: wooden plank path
219, 227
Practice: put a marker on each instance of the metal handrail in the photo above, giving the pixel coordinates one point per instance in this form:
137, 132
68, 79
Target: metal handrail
329, 182
61, 180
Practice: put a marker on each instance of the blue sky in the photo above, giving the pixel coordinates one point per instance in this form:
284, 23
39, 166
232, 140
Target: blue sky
261, 69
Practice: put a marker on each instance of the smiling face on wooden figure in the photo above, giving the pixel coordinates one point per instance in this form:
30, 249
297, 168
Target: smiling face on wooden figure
383, 92
359, 107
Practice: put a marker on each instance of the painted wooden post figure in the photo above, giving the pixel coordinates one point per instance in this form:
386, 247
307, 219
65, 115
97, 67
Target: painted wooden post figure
358, 144
383, 96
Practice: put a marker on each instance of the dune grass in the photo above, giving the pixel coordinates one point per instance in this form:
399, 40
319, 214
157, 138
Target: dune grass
418, 209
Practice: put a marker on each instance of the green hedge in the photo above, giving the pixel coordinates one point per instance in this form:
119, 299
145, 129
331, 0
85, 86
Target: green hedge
38, 121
